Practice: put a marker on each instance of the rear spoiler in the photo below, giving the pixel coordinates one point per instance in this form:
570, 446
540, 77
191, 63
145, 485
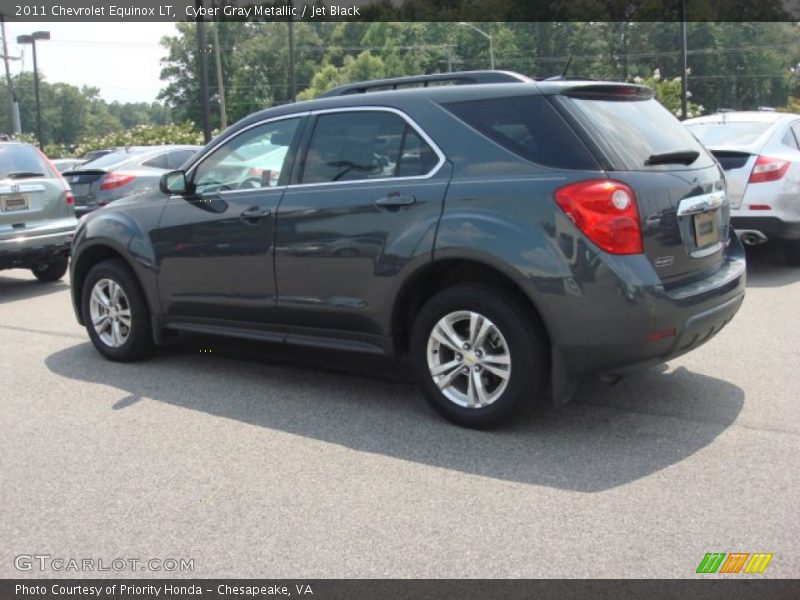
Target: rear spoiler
73, 172
609, 91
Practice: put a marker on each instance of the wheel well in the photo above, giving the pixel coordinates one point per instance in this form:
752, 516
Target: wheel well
88, 259
442, 275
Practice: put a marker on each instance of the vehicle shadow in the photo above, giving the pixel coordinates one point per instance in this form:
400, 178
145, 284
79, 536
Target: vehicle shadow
17, 288
607, 437
767, 267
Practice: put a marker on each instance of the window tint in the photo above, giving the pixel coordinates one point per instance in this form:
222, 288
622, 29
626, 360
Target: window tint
528, 126
176, 159
416, 156
253, 159
349, 146
635, 130
157, 162
19, 158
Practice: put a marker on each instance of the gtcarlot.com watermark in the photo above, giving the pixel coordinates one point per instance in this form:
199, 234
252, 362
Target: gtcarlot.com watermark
47, 563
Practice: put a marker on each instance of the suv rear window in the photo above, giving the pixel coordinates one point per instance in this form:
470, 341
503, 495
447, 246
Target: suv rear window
21, 158
528, 126
634, 130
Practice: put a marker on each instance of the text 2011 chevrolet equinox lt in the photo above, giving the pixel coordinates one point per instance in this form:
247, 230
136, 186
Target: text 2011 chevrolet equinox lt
509, 236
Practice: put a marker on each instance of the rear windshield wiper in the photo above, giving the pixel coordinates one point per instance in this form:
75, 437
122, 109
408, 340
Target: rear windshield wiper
23, 174
682, 157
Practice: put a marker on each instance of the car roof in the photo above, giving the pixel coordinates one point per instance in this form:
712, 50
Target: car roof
437, 93
164, 148
743, 116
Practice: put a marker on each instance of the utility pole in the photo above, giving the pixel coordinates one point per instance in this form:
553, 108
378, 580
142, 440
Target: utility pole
16, 127
292, 82
32, 39
684, 64
202, 57
223, 115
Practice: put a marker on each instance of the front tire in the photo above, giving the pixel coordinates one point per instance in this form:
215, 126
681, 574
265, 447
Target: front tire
115, 312
51, 271
480, 355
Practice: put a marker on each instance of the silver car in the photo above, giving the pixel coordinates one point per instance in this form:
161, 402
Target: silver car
123, 173
37, 217
65, 164
760, 153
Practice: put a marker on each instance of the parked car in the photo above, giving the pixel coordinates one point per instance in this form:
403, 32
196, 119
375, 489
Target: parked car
65, 164
37, 219
125, 172
95, 154
760, 153
510, 237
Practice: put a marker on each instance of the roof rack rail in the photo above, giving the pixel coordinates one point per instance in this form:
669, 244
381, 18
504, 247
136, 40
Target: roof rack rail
457, 78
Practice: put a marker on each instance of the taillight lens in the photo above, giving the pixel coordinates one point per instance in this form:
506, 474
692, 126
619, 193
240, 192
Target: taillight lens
605, 211
115, 180
768, 169
69, 198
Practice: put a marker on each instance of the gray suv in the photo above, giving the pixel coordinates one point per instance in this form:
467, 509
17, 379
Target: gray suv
37, 216
509, 236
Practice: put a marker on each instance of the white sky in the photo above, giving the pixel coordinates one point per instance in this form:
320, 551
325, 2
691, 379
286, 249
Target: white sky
121, 59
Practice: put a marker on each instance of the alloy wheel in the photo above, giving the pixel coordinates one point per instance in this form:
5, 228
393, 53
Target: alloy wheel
110, 312
469, 359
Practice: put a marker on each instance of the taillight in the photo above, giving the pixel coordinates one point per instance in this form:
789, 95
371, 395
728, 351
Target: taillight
115, 180
768, 169
605, 211
69, 198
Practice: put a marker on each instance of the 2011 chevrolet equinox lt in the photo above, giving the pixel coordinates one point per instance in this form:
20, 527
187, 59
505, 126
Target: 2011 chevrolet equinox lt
509, 236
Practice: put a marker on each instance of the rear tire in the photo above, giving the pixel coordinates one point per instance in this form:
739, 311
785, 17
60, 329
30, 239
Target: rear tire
116, 313
52, 270
479, 355
792, 251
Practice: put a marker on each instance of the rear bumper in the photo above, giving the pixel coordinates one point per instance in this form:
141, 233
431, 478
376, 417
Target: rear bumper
27, 250
85, 209
772, 227
612, 324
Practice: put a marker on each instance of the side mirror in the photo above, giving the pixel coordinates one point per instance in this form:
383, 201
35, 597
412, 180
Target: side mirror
174, 182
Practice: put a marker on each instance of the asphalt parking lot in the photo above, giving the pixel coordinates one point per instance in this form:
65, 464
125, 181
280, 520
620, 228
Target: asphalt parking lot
261, 461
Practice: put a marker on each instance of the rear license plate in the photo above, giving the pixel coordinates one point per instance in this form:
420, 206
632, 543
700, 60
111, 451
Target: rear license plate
80, 189
15, 203
705, 229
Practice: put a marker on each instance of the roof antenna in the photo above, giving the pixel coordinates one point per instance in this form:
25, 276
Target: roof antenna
563, 74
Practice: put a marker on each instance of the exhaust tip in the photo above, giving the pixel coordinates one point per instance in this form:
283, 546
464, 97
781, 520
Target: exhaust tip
752, 238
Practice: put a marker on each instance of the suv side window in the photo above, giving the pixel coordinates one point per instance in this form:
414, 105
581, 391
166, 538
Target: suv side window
529, 127
357, 145
253, 159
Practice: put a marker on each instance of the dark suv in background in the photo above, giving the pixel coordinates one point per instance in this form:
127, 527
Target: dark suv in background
510, 236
